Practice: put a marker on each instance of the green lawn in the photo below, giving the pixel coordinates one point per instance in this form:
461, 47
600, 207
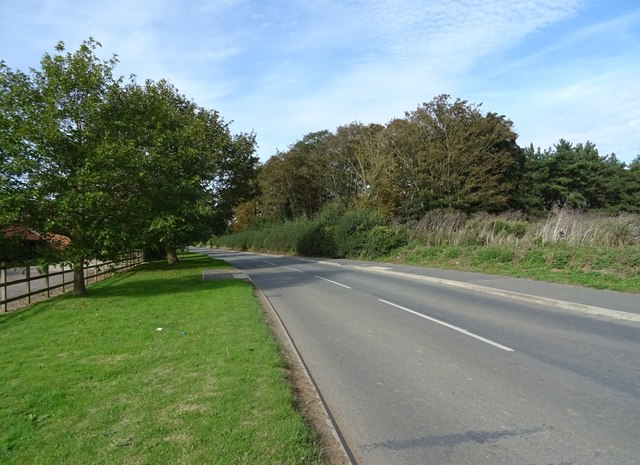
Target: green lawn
153, 367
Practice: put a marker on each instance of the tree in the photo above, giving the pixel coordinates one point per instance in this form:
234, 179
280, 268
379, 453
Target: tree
577, 176
193, 171
244, 216
356, 161
235, 179
631, 187
292, 183
453, 156
63, 176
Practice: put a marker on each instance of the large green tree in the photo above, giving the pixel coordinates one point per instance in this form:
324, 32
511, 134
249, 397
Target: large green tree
193, 170
234, 180
632, 186
454, 156
113, 166
575, 176
294, 183
60, 177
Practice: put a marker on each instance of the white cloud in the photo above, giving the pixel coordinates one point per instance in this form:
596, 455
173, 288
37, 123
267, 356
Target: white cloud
288, 68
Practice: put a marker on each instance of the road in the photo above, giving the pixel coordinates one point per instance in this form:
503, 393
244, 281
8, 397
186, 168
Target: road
419, 372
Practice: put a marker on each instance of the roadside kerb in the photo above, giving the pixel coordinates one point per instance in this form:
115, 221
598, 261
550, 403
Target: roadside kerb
562, 304
293, 351
286, 340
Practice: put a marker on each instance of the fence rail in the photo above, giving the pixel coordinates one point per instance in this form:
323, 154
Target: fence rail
22, 286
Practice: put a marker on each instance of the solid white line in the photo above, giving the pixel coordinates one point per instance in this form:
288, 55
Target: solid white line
333, 282
270, 263
450, 326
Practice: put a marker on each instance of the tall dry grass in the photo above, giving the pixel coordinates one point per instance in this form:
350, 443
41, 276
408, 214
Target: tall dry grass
561, 226
577, 228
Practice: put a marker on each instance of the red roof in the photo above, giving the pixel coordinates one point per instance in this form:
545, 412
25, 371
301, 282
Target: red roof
57, 241
23, 233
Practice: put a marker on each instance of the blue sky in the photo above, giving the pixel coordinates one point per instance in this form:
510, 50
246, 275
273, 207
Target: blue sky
557, 68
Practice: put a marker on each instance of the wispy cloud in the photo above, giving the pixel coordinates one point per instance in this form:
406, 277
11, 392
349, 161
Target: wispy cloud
287, 68
399, 54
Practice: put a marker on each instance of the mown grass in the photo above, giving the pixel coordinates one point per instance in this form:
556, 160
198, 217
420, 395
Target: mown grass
592, 266
155, 366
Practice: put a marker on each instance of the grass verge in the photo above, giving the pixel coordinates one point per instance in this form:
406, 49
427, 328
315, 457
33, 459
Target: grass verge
591, 266
155, 366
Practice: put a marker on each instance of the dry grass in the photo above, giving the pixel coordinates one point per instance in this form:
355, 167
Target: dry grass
561, 226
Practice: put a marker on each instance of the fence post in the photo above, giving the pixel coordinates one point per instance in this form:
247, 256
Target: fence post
46, 280
27, 275
3, 285
63, 281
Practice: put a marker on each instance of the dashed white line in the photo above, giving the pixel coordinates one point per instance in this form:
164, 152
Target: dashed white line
450, 326
292, 269
333, 282
283, 266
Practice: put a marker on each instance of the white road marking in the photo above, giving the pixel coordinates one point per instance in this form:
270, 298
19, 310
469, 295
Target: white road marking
450, 326
333, 282
283, 266
328, 263
293, 269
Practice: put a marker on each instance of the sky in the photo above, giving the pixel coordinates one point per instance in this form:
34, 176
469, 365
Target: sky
557, 68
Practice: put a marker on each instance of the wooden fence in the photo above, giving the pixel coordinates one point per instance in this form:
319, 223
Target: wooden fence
22, 286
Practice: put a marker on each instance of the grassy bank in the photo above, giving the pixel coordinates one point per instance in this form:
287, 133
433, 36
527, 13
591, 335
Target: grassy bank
154, 366
598, 267
567, 246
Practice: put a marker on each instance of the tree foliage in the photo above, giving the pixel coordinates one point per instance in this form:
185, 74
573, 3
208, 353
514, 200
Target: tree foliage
443, 154
113, 166
455, 157
576, 176
68, 181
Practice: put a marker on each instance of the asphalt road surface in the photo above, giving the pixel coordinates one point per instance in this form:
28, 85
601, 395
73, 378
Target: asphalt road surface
419, 372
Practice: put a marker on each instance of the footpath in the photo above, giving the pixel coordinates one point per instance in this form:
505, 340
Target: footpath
619, 305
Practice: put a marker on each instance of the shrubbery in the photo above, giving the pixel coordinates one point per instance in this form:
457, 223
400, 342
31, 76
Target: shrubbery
336, 231
565, 240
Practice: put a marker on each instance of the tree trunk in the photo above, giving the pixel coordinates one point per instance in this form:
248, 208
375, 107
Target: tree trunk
79, 287
172, 255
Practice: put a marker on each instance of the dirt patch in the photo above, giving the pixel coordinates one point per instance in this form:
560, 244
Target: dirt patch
308, 402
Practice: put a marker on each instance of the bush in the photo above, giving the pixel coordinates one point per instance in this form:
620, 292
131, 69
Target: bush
352, 229
506, 228
382, 240
318, 240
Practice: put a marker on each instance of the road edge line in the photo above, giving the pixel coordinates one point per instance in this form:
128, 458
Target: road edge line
293, 350
563, 304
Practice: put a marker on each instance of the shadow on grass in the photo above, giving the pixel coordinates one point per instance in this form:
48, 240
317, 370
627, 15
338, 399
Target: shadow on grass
150, 287
128, 285
132, 286
193, 261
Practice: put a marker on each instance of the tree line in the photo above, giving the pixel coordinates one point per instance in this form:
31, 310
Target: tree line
113, 164
446, 154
